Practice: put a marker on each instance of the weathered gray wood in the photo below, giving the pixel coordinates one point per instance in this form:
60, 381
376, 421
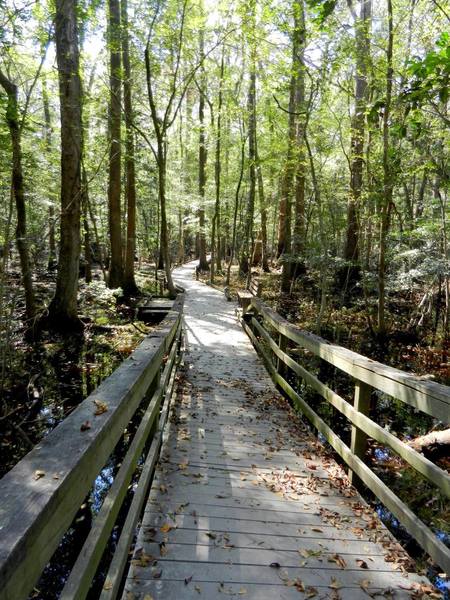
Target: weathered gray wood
435, 548
197, 589
206, 510
83, 571
424, 466
358, 444
427, 396
35, 511
117, 567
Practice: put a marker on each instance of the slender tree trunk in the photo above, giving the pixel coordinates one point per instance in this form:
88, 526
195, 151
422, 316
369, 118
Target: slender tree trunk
86, 229
351, 249
251, 116
298, 239
386, 205
114, 181
48, 148
63, 308
12, 117
263, 209
216, 229
236, 209
296, 97
202, 157
129, 283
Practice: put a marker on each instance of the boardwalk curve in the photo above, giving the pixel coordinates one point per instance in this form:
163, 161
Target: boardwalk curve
245, 502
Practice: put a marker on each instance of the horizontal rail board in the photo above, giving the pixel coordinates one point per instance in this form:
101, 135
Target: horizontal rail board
42, 493
374, 375
427, 396
424, 466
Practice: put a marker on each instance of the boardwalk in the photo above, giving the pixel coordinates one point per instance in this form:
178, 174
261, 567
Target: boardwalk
245, 502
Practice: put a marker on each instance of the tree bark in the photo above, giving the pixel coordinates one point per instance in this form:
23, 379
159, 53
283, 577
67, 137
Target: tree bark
114, 182
202, 157
216, 259
12, 118
48, 148
296, 101
129, 283
251, 117
63, 308
350, 273
386, 204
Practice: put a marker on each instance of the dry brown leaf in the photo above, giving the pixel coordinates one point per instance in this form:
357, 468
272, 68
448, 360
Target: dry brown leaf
38, 474
101, 407
85, 426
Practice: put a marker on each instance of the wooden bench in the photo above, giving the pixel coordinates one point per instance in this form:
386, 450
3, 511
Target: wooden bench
253, 290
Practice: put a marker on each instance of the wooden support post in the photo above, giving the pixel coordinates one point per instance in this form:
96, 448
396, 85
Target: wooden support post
282, 344
358, 445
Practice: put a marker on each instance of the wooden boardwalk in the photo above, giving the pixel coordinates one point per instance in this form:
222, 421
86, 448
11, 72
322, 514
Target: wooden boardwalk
245, 502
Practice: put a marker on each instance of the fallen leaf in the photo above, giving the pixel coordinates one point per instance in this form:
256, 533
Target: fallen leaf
198, 589
85, 426
107, 585
275, 565
166, 528
187, 580
38, 474
338, 560
101, 407
362, 563
335, 584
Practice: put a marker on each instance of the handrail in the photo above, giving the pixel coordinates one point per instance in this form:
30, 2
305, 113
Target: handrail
430, 397
41, 495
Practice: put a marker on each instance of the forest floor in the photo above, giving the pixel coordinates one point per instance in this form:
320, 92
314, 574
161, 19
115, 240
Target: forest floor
43, 380
420, 352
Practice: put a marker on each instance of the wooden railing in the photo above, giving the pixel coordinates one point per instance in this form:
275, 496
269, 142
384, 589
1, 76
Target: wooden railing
263, 324
41, 495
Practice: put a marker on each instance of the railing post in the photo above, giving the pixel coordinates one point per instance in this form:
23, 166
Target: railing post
282, 344
358, 445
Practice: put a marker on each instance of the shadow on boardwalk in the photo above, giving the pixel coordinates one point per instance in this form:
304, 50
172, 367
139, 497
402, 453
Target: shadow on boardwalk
245, 501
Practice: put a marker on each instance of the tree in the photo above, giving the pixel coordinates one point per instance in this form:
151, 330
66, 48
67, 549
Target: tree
62, 312
17, 184
349, 275
115, 147
129, 283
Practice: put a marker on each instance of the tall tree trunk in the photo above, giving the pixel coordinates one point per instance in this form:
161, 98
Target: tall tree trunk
48, 148
129, 283
202, 157
114, 181
63, 308
86, 228
298, 239
251, 117
236, 208
216, 258
386, 204
12, 117
296, 98
263, 210
350, 273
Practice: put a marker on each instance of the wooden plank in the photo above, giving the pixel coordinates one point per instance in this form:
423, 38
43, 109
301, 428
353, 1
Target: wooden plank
37, 510
427, 539
424, 466
82, 573
117, 567
429, 397
242, 573
195, 589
